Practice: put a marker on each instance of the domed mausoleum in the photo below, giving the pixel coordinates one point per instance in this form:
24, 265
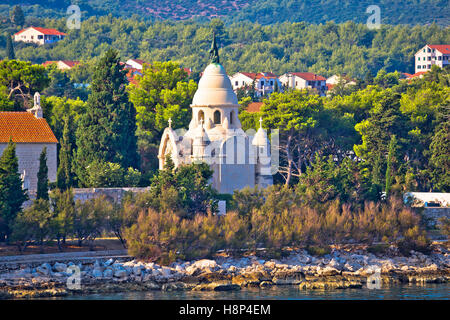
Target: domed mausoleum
215, 136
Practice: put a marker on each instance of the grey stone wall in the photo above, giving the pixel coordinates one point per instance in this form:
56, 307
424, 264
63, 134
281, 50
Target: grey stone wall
28, 155
431, 215
115, 194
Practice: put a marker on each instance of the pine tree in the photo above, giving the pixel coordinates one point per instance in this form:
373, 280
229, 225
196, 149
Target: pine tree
17, 17
107, 131
42, 184
389, 167
64, 177
11, 194
10, 48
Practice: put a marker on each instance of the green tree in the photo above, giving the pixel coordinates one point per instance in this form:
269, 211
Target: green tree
42, 183
390, 165
9, 48
22, 79
62, 222
33, 223
17, 17
11, 194
162, 93
65, 175
106, 132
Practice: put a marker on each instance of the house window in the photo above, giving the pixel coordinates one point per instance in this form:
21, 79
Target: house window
440, 58
418, 67
262, 84
217, 117
429, 58
40, 37
429, 66
237, 83
271, 82
418, 59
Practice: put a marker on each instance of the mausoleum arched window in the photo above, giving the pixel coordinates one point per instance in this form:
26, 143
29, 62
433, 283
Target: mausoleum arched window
201, 116
231, 117
217, 117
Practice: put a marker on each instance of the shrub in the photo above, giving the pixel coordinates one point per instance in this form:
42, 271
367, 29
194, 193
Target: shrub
318, 250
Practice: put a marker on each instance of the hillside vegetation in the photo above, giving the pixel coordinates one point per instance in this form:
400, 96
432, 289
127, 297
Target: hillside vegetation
325, 49
261, 11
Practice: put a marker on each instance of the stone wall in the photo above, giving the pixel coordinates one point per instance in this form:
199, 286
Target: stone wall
116, 194
432, 215
28, 155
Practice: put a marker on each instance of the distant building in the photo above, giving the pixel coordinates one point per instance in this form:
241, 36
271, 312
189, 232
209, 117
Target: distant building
304, 80
39, 35
62, 64
31, 133
135, 64
430, 55
265, 82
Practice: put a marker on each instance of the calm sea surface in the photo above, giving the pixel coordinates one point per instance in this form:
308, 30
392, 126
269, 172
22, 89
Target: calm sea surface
408, 292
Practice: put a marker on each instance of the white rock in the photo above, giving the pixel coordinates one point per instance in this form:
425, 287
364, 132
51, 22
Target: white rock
205, 263
137, 270
120, 273
109, 262
60, 267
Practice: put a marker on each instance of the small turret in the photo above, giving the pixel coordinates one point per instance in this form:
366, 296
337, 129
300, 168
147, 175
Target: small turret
263, 176
36, 110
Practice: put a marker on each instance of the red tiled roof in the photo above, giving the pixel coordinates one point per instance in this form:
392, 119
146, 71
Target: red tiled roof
69, 63
259, 75
308, 76
417, 74
254, 107
24, 127
45, 31
443, 48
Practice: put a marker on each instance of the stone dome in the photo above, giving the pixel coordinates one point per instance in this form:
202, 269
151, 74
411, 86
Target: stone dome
214, 88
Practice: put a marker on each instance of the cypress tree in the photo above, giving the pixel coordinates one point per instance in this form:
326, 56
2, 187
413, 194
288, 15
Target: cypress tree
12, 196
389, 167
107, 130
64, 178
17, 17
42, 184
10, 48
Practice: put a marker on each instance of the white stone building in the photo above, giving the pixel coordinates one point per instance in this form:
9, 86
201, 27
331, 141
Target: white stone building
31, 133
39, 35
265, 82
215, 136
432, 55
303, 80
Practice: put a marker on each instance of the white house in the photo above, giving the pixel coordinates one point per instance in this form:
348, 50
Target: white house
432, 54
62, 64
303, 80
265, 82
31, 133
135, 64
39, 35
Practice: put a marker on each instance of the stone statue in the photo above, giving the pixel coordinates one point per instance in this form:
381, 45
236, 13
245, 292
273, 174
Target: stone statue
36, 110
37, 99
214, 51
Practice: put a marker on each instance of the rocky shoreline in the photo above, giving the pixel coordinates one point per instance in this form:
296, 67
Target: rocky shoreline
340, 269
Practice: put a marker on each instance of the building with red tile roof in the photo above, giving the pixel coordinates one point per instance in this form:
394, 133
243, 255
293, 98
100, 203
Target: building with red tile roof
62, 64
432, 54
31, 134
265, 82
304, 80
39, 35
